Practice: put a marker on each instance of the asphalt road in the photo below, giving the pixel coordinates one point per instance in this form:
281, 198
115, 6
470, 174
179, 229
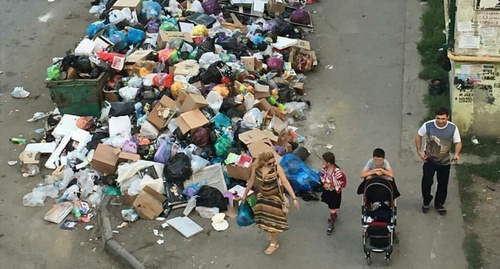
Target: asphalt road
365, 85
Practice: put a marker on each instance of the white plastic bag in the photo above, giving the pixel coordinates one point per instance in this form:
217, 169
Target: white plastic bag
135, 82
207, 59
149, 131
37, 196
85, 180
128, 93
249, 101
116, 141
207, 212
252, 119
85, 48
214, 100
135, 186
196, 7
68, 176
197, 163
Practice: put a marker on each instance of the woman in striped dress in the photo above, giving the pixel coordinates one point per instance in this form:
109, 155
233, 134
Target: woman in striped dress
268, 210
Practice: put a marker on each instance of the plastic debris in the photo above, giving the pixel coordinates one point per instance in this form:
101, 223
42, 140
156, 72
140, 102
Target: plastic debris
20, 93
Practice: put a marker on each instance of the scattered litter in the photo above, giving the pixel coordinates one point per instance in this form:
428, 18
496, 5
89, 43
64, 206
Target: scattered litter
20, 93
69, 224
160, 218
329, 66
116, 232
489, 198
12, 163
474, 140
164, 225
38, 116
123, 225
130, 215
157, 233
329, 146
160, 241
89, 227
94, 249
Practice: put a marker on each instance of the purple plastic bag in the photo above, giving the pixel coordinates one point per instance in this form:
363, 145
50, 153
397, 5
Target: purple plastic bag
211, 7
164, 151
129, 146
274, 63
300, 16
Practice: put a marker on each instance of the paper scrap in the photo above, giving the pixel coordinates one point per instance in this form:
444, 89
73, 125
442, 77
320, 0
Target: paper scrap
160, 241
464, 26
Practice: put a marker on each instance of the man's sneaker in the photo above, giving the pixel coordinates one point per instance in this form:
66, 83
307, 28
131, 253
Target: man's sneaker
441, 210
425, 209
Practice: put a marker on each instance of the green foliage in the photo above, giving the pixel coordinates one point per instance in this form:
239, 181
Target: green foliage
473, 250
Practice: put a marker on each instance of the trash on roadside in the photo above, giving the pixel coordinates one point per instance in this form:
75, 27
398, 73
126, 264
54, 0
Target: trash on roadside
130, 215
69, 224
20, 93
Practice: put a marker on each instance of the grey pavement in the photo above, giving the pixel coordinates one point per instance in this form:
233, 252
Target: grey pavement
367, 86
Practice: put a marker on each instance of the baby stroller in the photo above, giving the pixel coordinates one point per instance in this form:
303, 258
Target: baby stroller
378, 216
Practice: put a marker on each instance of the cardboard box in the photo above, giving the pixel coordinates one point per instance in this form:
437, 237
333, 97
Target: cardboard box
264, 105
105, 159
155, 116
188, 101
132, 4
297, 55
248, 62
129, 199
187, 68
149, 203
239, 172
127, 156
258, 147
191, 120
27, 158
274, 8
165, 36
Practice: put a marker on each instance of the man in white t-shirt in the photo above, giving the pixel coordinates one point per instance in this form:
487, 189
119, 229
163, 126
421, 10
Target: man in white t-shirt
440, 134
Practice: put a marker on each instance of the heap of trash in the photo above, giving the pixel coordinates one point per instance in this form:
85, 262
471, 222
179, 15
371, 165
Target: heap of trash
166, 103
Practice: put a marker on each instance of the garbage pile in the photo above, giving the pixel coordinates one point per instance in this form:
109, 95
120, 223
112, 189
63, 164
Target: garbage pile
167, 102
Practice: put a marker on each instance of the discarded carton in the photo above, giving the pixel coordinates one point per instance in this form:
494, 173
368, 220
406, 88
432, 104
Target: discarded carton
256, 148
239, 172
188, 101
162, 113
28, 158
303, 60
255, 135
187, 68
129, 199
165, 36
132, 4
128, 157
275, 8
105, 159
191, 120
149, 203
137, 55
264, 105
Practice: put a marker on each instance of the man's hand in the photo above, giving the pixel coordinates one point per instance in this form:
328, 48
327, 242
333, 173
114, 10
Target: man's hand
422, 156
456, 158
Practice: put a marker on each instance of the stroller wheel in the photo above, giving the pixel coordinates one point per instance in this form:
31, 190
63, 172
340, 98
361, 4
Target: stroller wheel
368, 260
387, 259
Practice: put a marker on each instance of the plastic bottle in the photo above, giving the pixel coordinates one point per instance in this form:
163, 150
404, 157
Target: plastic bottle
18, 140
76, 211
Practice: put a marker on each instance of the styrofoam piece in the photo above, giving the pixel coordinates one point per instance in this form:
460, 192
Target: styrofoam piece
52, 162
82, 136
41, 147
65, 126
284, 42
186, 226
214, 176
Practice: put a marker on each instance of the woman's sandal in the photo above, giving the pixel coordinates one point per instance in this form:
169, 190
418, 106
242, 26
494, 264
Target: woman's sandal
272, 248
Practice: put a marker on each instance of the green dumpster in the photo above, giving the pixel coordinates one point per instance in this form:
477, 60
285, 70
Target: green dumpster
80, 97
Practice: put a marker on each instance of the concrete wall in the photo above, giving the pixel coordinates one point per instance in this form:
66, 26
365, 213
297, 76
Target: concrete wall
475, 98
475, 86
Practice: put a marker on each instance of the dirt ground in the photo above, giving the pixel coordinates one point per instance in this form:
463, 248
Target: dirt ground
486, 223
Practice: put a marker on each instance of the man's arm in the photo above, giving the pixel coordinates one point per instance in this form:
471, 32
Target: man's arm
458, 148
418, 145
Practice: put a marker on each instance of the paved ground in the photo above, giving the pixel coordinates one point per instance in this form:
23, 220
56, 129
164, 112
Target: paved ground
367, 94
32, 33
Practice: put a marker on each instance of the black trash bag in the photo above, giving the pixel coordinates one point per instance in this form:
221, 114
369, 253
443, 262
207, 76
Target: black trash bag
212, 74
286, 95
229, 43
96, 140
201, 137
96, 72
443, 60
121, 109
83, 65
211, 197
178, 168
207, 45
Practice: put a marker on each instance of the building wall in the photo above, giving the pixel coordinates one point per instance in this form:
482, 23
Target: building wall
475, 97
475, 86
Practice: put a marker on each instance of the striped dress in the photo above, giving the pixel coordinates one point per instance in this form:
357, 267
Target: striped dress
268, 212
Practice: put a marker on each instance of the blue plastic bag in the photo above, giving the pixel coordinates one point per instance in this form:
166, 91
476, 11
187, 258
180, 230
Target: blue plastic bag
94, 28
193, 189
245, 215
151, 10
221, 120
134, 36
301, 176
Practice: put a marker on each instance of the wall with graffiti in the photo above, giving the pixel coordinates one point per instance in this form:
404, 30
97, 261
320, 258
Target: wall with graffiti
475, 97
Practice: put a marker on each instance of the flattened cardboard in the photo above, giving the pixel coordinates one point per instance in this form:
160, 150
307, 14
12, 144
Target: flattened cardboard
105, 159
149, 203
137, 55
303, 44
132, 4
188, 101
165, 36
275, 9
255, 135
28, 157
186, 68
264, 105
191, 120
158, 121
128, 157
248, 62
129, 199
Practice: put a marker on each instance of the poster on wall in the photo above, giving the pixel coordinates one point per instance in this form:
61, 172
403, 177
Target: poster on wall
469, 42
